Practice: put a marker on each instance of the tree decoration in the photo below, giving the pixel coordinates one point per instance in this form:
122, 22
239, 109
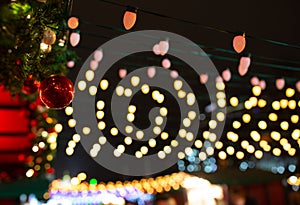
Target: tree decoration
239, 43
129, 17
30, 85
280, 83
56, 91
244, 65
31, 32
49, 37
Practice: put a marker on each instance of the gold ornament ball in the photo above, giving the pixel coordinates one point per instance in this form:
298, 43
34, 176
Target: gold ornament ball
49, 37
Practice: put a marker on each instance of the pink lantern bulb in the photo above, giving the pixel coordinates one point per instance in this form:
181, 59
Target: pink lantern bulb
262, 84
70, 64
151, 72
94, 64
174, 74
239, 43
163, 47
219, 79
226, 74
298, 86
254, 81
98, 55
156, 49
74, 39
203, 78
280, 83
244, 65
166, 63
122, 73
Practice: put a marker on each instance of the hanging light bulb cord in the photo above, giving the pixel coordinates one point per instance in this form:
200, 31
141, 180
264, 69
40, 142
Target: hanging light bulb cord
212, 28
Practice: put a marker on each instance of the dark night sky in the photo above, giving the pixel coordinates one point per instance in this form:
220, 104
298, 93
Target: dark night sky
276, 20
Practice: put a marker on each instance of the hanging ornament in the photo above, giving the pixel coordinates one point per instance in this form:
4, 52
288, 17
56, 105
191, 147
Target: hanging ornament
151, 72
98, 55
74, 39
73, 22
254, 81
166, 63
239, 43
56, 91
203, 78
122, 73
298, 86
46, 48
244, 65
156, 49
49, 37
280, 83
163, 47
129, 17
226, 74
262, 84
30, 85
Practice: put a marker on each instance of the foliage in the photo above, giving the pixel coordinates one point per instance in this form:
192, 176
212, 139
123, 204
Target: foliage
22, 26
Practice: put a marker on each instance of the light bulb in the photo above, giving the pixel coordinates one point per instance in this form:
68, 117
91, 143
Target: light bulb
129, 17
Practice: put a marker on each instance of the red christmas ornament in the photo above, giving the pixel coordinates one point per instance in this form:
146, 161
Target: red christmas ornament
30, 85
56, 91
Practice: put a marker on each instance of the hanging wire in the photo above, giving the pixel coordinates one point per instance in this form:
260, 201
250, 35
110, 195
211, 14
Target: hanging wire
270, 41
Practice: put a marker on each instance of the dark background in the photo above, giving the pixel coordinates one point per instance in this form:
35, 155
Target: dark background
260, 20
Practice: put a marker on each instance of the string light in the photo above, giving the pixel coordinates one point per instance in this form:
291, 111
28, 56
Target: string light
129, 17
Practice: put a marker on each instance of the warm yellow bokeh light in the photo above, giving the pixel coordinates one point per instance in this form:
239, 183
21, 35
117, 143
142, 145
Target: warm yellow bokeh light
240, 155
275, 135
114, 131
230, 150
276, 105
222, 155
236, 124
234, 101
295, 119
284, 125
292, 104
290, 92
283, 103
273, 117
104, 84
256, 90
262, 125
255, 136
276, 152
262, 103
258, 154
246, 118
